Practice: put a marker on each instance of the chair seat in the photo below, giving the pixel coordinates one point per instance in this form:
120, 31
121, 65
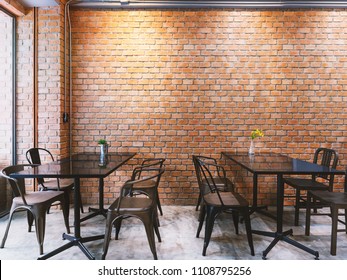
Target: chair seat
220, 183
63, 183
147, 188
145, 185
129, 204
335, 201
229, 199
338, 199
305, 184
37, 197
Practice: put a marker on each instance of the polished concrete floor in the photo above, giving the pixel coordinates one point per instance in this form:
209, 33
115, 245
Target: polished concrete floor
178, 231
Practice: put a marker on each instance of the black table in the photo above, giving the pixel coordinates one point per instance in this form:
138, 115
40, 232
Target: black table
279, 165
78, 166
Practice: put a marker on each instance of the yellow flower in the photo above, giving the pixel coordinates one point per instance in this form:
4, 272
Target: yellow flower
257, 133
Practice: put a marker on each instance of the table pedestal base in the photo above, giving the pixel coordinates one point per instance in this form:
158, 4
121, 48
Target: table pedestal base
74, 241
95, 213
101, 210
260, 209
283, 236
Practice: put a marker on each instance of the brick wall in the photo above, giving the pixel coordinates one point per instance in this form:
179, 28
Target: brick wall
174, 83
52, 132
51, 128
25, 86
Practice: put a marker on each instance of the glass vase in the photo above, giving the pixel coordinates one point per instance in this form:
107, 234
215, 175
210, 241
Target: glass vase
251, 148
103, 154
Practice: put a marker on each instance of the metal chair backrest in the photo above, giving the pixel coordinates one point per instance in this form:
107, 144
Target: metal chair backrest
205, 171
217, 171
198, 172
152, 174
35, 155
153, 162
196, 160
17, 185
326, 157
147, 163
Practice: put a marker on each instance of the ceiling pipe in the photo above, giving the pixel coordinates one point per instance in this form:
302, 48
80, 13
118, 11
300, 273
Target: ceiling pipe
161, 4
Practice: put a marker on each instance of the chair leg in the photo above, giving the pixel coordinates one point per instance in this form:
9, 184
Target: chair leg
159, 205
211, 213
236, 218
81, 204
297, 207
148, 223
156, 217
202, 212
201, 219
308, 214
117, 225
7, 229
108, 230
66, 203
156, 225
157, 233
247, 220
30, 219
334, 216
66, 211
315, 208
40, 227
198, 202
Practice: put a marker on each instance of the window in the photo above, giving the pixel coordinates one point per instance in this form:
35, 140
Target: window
7, 86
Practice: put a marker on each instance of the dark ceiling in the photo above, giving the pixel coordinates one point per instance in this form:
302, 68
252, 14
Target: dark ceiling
126, 4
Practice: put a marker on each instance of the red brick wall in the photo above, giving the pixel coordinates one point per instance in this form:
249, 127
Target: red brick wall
178, 83
25, 86
175, 83
52, 132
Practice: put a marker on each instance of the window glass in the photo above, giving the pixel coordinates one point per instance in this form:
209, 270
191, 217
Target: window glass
6, 104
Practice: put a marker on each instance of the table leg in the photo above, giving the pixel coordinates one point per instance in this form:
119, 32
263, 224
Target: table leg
254, 207
279, 235
76, 239
101, 210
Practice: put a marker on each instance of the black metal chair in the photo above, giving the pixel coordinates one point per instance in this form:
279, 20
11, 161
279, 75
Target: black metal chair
323, 156
335, 201
35, 203
143, 208
216, 202
36, 156
217, 178
146, 187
